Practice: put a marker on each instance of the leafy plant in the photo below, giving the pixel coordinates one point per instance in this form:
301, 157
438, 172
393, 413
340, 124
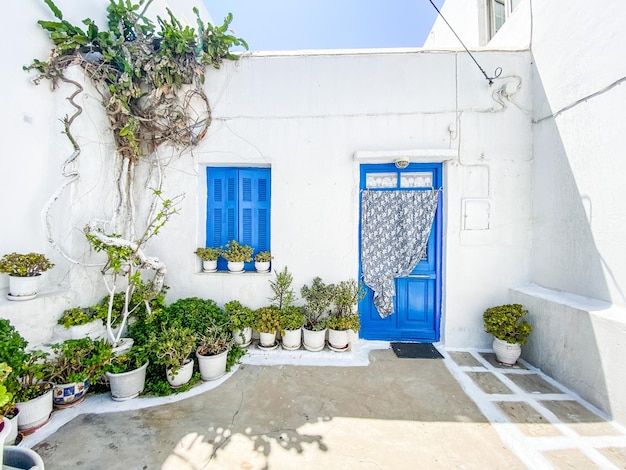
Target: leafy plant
209, 254
506, 323
24, 265
215, 340
173, 346
347, 321
130, 360
237, 252
291, 318
318, 299
12, 353
263, 257
6, 397
239, 317
77, 360
267, 319
80, 316
347, 295
281, 286
34, 370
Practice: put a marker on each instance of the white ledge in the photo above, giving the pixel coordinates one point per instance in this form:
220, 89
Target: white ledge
413, 155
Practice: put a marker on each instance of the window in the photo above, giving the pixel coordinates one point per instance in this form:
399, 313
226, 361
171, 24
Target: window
238, 208
499, 11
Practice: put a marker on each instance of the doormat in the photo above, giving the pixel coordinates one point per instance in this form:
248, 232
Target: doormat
416, 351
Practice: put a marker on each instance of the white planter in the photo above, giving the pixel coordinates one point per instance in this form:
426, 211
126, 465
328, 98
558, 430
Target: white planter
506, 353
94, 330
212, 367
23, 288
314, 340
338, 339
21, 457
70, 394
243, 337
182, 376
127, 385
209, 266
262, 266
10, 439
6, 428
267, 340
292, 339
35, 412
235, 266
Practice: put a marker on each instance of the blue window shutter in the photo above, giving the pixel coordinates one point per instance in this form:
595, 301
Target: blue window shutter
254, 204
221, 206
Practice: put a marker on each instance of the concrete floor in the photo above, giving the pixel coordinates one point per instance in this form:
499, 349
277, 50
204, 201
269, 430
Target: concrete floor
462, 412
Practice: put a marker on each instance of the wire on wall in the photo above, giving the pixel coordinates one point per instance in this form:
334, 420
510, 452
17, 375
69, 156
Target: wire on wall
498, 70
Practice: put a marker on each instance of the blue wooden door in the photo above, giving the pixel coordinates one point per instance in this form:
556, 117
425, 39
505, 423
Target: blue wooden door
417, 305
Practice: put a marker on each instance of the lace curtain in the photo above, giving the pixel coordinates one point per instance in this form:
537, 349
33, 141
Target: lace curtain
395, 226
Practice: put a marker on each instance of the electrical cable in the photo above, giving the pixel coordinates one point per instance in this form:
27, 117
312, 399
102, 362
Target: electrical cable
497, 71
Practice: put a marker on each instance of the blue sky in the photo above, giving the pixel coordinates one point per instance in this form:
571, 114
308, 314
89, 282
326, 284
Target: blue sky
270, 25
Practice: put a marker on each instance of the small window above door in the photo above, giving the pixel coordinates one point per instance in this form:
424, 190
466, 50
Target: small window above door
406, 180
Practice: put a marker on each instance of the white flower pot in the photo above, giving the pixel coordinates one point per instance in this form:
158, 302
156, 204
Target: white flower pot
292, 339
35, 412
506, 353
235, 266
70, 394
209, 266
127, 385
21, 457
314, 340
262, 266
6, 428
338, 339
23, 288
10, 439
182, 375
212, 367
243, 337
267, 340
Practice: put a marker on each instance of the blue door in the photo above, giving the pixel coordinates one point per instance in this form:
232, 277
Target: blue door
417, 305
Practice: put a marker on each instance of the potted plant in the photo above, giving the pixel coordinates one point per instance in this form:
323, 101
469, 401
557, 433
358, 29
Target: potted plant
267, 322
6, 399
172, 348
237, 255
24, 272
127, 373
318, 298
241, 321
209, 257
212, 352
34, 397
346, 296
262, 261
77, 364
290, 321
509, 329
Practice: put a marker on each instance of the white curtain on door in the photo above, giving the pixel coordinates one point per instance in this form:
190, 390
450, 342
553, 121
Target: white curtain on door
395, 226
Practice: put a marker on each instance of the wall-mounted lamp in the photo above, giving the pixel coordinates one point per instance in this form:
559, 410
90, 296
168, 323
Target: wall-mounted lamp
401, 162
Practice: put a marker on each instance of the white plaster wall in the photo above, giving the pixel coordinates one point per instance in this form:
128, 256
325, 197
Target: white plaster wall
580, 218
578, 341
306, 115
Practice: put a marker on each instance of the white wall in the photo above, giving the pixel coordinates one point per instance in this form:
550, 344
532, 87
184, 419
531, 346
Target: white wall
306, 115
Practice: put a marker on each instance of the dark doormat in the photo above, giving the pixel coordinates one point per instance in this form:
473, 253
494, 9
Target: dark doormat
416, 351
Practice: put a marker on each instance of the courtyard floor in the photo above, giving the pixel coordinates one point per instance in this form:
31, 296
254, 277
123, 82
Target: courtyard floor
360, 409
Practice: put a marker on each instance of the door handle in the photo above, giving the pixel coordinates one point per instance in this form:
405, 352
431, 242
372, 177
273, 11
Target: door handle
421, 276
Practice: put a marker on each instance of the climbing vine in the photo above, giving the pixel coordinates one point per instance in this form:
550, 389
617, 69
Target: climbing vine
150, 77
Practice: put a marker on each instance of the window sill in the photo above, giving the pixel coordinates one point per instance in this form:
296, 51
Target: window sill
243, 273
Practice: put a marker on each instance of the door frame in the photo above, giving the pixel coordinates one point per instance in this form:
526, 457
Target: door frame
364, 168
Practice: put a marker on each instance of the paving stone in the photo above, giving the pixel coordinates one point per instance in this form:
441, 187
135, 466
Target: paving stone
533, 383
489, 383
584, 421
570, 459
530, 422
617, 455
491, 357
464, 359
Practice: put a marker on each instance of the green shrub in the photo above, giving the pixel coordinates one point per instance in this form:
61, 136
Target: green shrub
506, 323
